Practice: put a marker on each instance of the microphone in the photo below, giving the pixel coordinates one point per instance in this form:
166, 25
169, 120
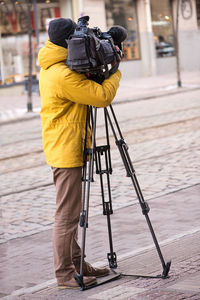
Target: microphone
118, 34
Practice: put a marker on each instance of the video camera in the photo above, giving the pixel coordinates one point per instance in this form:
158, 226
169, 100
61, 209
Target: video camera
91, 51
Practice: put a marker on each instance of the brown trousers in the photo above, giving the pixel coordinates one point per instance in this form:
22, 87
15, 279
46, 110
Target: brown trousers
65, 232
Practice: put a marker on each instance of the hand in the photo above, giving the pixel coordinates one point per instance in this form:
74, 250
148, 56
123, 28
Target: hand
115, 61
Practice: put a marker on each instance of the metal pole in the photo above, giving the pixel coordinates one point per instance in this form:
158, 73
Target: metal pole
36, 21
30, 78
2, 75
179, 83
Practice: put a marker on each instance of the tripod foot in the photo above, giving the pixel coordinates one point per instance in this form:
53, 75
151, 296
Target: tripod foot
166, 269
79, 280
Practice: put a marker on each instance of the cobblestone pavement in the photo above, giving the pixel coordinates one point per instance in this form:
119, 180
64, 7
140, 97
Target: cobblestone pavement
163, 137
159, 133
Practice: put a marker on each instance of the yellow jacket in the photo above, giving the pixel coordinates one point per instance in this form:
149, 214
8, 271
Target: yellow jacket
65, 95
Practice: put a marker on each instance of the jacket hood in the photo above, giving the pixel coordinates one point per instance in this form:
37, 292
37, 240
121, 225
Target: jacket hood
51, 54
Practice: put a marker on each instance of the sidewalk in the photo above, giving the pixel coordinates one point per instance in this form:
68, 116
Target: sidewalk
13, 101
135, 251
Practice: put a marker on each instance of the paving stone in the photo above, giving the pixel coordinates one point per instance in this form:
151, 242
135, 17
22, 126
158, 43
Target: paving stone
163, 137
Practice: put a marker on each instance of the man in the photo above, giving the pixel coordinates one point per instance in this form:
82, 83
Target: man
65, 95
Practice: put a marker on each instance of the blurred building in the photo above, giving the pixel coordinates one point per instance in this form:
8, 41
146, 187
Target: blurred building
149, 49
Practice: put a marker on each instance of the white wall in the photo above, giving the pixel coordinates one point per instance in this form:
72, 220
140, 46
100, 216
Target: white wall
131, 69
165, 65
189, 38
95, 9
66, 10
148, 63
189, 50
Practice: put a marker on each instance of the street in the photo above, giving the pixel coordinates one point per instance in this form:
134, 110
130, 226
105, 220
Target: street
163, 136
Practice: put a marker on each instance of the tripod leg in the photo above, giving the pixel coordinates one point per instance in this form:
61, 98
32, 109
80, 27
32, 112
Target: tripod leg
123, 149
107, 205
87, 179
87, 172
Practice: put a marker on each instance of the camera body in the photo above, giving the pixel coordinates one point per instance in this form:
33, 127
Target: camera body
91, 51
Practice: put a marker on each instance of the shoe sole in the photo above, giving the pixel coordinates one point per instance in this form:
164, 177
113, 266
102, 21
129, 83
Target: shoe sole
63, 287
100, 276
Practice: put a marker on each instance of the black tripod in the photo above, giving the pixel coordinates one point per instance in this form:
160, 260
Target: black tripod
95, 154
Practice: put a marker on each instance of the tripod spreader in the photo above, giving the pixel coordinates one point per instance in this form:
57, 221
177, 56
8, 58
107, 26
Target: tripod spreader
82, 219
79, 279
164, 274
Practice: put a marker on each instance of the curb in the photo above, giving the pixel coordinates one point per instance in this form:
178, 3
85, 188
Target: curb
35, 115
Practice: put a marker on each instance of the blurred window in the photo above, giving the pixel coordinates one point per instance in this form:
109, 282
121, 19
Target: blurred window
14, 33
162, 26
13, 19
198, 12
123, 12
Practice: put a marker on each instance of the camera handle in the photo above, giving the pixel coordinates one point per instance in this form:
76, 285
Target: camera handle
96, 153
107, 73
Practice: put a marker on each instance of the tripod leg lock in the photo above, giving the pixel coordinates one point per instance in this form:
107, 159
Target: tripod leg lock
121, 142
145, 208
112, 259
82, 220
107, 208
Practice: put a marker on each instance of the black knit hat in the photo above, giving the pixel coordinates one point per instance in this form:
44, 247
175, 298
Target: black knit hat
59, 30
